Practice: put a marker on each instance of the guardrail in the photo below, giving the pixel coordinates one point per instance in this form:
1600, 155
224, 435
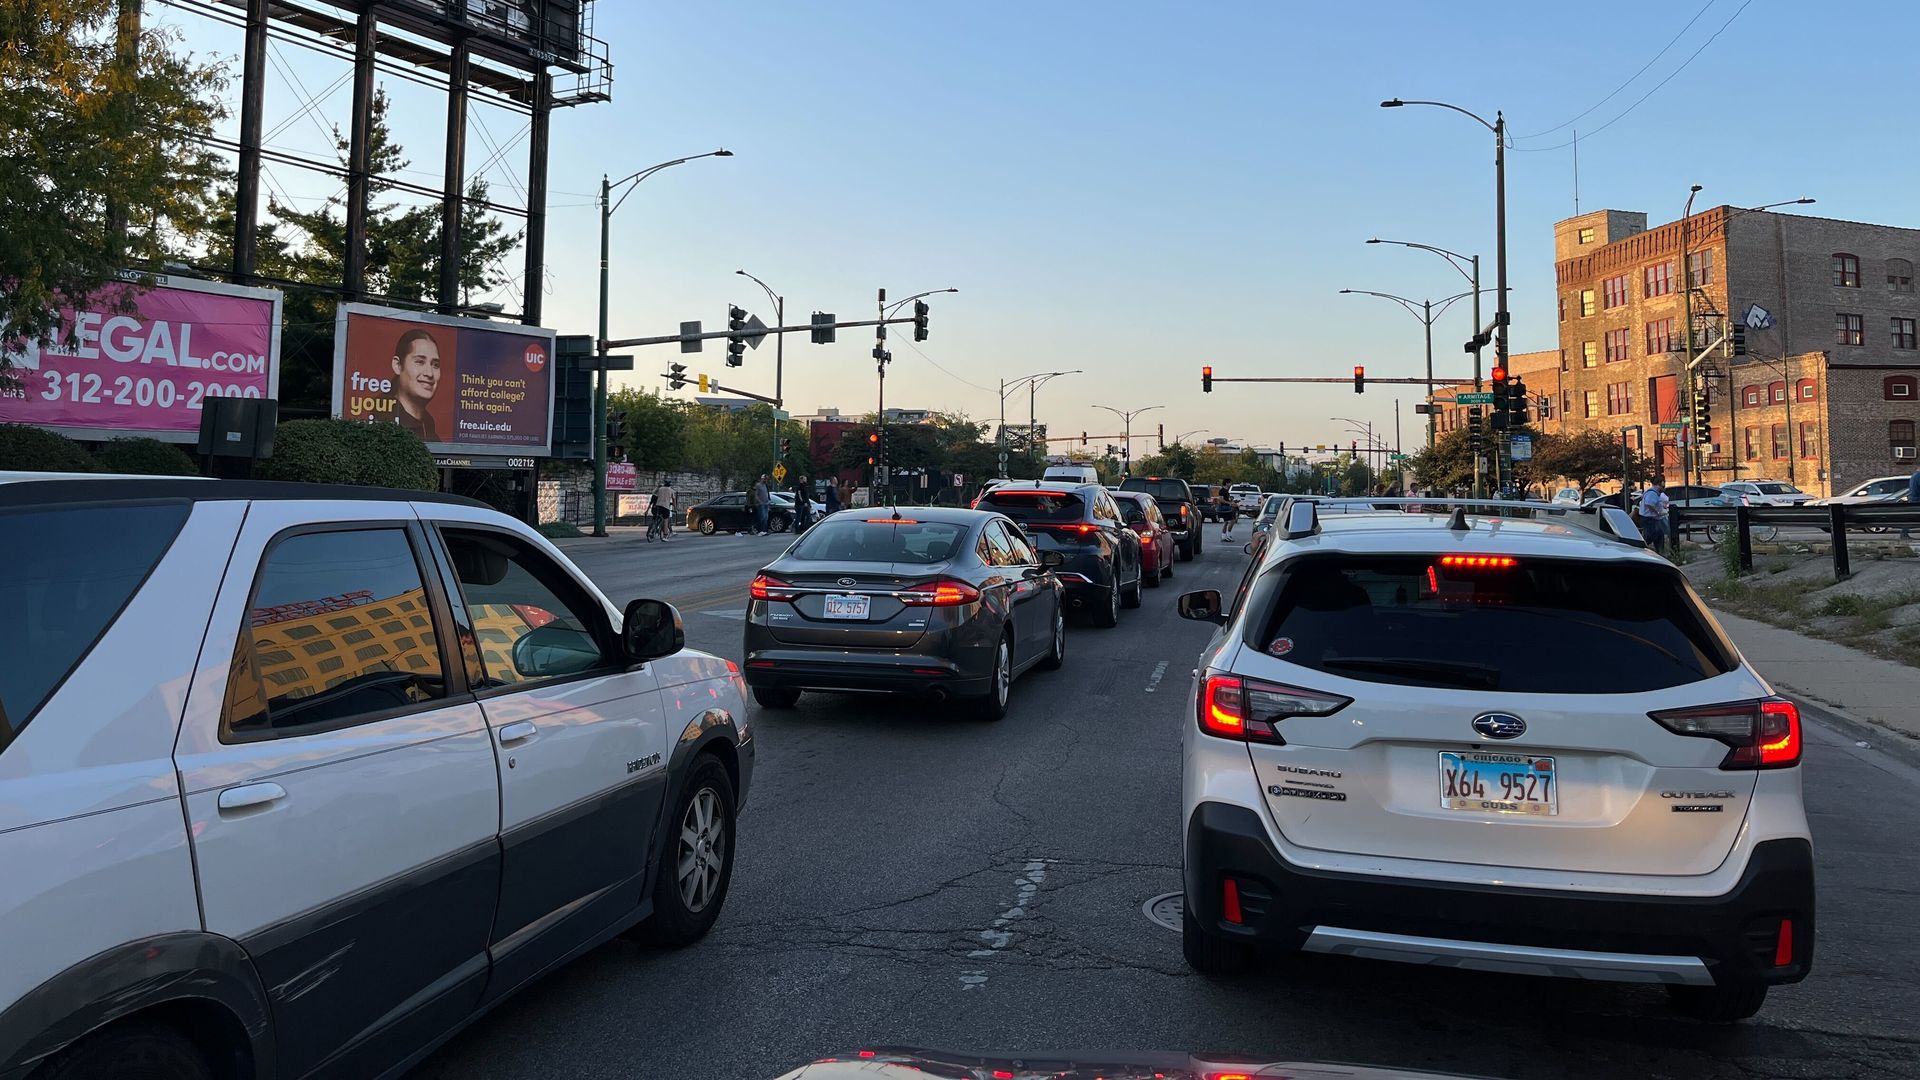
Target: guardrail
1744, 523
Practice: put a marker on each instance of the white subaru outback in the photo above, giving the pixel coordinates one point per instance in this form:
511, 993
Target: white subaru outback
1479, 740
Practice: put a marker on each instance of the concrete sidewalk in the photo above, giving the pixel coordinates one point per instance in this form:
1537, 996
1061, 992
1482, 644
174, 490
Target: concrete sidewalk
1872, 692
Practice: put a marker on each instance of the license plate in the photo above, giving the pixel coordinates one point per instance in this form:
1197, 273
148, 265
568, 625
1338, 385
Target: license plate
1499, 784
848, 607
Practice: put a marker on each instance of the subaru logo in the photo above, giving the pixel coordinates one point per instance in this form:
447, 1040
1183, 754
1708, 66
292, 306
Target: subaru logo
1499, 725
846, 582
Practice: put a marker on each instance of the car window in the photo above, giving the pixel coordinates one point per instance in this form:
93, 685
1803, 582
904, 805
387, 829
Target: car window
68, 574
1156, 487
1778, 489
338, 632
1035, 505
1885, 487
1541, 626
997, 543
533, 621
1023, 554
881, 540
730, 500
1246, 584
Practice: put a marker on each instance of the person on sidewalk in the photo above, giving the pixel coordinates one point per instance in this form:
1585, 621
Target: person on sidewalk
832, 497
1653, 516
663, 506
760, 499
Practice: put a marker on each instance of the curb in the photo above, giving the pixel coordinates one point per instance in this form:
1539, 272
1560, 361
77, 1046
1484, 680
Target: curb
1894, 744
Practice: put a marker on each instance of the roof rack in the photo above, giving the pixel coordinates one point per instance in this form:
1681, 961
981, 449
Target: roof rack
1303, 517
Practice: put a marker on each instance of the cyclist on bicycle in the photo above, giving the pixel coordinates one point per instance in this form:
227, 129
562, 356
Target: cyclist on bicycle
663, 499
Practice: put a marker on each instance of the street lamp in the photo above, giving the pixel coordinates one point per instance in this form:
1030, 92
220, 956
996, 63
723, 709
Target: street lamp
779, 340
1500, 315
1177, 438
1126, 418
1033, 381
881, 356
607, 207
1426, 314
1471, 271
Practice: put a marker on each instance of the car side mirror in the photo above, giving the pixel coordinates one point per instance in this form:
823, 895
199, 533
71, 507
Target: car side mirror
1202, 606
1052, 560
650, 630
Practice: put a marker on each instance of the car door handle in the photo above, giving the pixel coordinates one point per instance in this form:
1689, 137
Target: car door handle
248, 796
518, 731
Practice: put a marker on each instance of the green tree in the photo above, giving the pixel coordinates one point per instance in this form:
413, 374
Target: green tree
101, 165
350, 452
32, 449
656, 428
144, 457
1584, 457
1445, 466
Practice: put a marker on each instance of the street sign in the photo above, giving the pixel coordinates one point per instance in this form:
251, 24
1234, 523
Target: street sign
1520, 448
690, 336
779, 472
781, 414
1673, 425
756, 332
959, 480
1474, 398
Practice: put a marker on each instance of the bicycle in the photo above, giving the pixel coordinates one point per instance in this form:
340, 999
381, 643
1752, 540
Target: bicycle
661, 526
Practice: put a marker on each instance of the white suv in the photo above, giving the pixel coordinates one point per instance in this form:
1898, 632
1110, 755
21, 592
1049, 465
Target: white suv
1516, 744
299, 779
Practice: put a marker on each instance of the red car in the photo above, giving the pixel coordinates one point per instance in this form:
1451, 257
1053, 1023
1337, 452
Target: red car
1156, 542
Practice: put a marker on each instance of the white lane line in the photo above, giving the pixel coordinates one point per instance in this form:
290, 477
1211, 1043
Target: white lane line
998, 935
729, 613
1153, 680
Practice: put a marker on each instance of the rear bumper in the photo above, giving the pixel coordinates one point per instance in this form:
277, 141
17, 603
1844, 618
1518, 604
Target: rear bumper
800, 668
1609, 936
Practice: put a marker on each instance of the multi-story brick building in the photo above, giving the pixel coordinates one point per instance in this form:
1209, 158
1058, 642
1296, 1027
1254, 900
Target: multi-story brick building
1826, 396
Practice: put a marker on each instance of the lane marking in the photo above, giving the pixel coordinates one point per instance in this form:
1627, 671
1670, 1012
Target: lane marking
1159, 670
730, 613
1000, 933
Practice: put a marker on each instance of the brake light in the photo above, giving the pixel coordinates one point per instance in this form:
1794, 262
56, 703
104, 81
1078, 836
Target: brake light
1763, 734
1479, 562
890, 521
945, 592
1080, 529
1230, 901
1247, 709
1783, 945
766, 587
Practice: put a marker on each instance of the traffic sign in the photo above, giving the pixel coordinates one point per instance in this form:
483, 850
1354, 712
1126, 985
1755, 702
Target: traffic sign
756, 332
1474, 398
1673, 425
779, 472
1520, 448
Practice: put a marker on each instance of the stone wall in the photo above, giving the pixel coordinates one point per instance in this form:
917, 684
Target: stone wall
569, 498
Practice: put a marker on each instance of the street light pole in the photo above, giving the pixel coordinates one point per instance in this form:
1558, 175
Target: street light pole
1126, 418
607, 207
1426, 315
779, 357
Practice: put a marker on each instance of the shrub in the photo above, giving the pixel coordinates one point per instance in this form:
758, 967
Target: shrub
32, 449
1847, 604
559, 530
144, 457
350, 452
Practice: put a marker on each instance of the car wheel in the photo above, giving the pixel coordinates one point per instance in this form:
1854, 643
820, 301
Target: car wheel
1209, 955
1719, 1004
993, 704
775, 697
140, 1051
1151, 581
708, 526
1185, 548
779, 523
1108, 614
1057, 655
696, 861
1131, 597
1166, 567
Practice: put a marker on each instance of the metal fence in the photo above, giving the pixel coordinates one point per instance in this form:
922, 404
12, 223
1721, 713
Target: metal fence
1746, 525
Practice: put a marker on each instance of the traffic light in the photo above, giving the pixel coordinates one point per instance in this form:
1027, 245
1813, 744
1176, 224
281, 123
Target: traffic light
823, 327
1359, 379
1473, 430
1083, 438
1206, 379
920, 310
1702, 413
1517, 401
873, 445
1737, 337
676, 376
1499, 419
1282, 449
1546, 406
616, 434
736, 344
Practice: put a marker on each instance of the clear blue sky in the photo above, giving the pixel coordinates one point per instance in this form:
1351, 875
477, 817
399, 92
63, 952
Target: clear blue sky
1137, 189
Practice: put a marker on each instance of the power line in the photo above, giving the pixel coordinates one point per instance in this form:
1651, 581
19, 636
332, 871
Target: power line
936, 363
1630, 79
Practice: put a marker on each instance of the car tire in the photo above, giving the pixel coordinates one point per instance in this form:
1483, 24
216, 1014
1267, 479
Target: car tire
1166, 568
1208, 955
1107, 614
137, 1051
683, 911
775, 697
992, 705
1720, 1003
1185, 550
1131, 597
779, 523
1151, 581
1057, 654
708, 526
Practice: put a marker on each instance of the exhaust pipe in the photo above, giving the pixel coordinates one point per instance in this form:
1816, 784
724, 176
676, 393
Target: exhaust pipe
940, 693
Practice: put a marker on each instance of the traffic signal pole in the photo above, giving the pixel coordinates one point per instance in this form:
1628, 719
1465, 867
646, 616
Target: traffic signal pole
600, 375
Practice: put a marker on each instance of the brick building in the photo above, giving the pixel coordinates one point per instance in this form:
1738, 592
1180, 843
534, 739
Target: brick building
1826, 396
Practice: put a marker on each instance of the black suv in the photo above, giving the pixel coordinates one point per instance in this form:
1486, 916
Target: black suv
1101, 567
1177, 505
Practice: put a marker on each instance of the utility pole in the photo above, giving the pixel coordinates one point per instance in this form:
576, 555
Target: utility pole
880, 364
600, 371
1691, 436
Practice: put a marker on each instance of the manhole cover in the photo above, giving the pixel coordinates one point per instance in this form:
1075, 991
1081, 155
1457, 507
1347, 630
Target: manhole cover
1165, 909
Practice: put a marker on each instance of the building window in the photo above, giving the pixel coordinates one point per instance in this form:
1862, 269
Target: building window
1850, 329
1566, 402
1751, 437
1616, 345
1563, 359
1657, 279
1591, 401
1586, 302
1563, 309
1779, 432
1903, 335
1614, 291
1659, 337
1700, 268
1619, 400
1777, 392
1809, 440
1585, 237
1806, 390
1589, 354
1751, 396
1846, 270
1899, 275
1898, 388
1899, 435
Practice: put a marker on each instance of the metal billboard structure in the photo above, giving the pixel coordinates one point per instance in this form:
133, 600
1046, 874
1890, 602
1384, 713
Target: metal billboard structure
527, 56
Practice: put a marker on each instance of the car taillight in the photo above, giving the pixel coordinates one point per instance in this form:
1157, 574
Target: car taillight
1479, 562
766, 587
1074, 529
943, 593
1763, 734
1247, 709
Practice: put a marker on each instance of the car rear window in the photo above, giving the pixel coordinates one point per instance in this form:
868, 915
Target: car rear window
1537, 626
859, 539
69, 572
1159, 489
1777, 489
1035, 506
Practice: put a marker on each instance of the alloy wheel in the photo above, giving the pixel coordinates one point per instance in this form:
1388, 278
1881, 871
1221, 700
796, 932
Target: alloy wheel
703, 850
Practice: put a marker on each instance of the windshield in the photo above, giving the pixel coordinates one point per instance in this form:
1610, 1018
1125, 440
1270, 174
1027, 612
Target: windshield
1035, 506
881, 540
1777, 489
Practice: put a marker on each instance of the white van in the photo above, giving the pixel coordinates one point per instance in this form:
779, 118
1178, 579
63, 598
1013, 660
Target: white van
1078, 474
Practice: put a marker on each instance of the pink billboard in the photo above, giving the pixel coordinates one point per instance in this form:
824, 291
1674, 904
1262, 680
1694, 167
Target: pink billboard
145, 370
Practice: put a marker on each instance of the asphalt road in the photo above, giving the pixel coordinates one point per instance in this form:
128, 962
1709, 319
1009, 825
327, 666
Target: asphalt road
907, 877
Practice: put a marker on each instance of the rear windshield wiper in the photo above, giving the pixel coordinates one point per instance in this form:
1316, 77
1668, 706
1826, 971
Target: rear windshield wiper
1464, 675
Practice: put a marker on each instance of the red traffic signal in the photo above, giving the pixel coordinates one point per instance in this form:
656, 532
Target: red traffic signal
873, 436
1206, 379
1359, 379
1499, 374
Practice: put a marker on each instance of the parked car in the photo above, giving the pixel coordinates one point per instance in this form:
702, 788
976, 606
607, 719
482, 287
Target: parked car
1879, 489
729, 513
1176, 501
1766, 492
1515, 747
301, 779
946, 602
1143, 516
1577, 497
1100, 554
